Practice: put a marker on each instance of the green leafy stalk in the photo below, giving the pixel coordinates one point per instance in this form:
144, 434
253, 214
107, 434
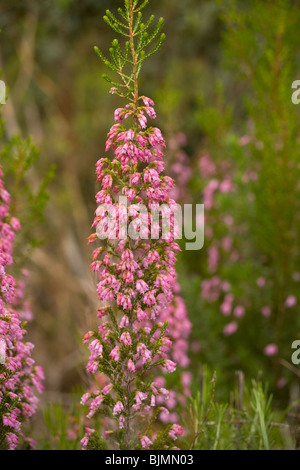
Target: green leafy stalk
127, 60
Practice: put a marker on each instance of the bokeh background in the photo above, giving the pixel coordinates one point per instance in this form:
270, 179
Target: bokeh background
222, 86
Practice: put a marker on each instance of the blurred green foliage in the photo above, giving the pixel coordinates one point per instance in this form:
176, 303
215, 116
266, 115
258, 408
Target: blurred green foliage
18, 158
245, 422
252, 139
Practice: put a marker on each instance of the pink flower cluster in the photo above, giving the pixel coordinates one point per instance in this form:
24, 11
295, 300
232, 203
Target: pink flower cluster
227, 244
136, 277
218, 181
179, 325
20, 378
179, 328
179, 165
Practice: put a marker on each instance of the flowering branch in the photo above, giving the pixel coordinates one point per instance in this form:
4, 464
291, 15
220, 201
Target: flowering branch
136, 273
20, 378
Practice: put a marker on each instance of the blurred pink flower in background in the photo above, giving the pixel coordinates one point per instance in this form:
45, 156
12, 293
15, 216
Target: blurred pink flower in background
291, 301
261, 282
226, 306
230, 328
271, 349
207, 167
266, 311
281, 382
245, 140
213, 258
239, 311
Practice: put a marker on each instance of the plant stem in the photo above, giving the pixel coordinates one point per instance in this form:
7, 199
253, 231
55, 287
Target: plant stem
134, 60
127, 433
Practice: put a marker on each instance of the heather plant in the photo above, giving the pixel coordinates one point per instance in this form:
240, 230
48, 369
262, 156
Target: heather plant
271, 161
136, 273
249, 183
21, 209
20, 378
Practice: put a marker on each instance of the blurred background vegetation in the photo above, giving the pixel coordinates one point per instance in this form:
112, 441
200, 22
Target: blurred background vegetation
223, 79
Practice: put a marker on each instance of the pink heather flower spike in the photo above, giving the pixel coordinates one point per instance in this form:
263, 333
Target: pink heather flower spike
20, 378
136, 275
